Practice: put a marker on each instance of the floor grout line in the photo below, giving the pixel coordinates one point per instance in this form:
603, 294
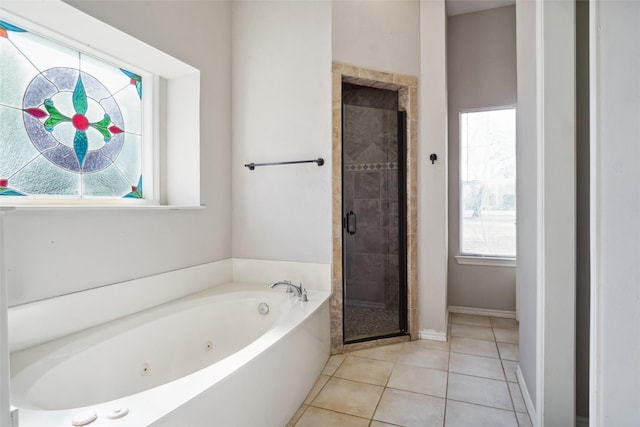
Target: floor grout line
484, 406
446, 387
396, 362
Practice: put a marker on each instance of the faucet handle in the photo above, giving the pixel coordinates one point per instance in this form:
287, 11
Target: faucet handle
303, 295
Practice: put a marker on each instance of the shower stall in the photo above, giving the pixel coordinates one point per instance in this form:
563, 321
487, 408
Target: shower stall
374, 214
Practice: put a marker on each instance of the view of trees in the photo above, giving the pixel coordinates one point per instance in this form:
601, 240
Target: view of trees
488, 182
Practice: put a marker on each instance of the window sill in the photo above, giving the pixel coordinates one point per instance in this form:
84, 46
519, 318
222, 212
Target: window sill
486, 261
140, 207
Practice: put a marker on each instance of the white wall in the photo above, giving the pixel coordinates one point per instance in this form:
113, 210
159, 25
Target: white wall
5, 388
51, 253
556, 213
546, 156
527, 205
481, 67
432, 179
526, 188
615, 203
380, 35
281, 111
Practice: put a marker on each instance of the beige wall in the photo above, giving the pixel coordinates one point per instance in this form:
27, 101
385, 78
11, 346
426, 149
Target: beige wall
281, 111
56, 252
380, 35
527, 190
481, 62
432, 178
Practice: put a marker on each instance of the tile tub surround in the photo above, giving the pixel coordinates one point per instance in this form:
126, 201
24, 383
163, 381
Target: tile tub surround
407, 101
459, 383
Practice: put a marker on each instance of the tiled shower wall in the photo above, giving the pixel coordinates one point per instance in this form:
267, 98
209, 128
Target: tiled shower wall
370, 157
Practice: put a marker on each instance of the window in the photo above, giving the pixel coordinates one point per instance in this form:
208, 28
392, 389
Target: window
163, 167
70, 124
488, 183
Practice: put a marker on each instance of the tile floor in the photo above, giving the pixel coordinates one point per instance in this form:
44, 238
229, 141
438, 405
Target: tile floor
468, 381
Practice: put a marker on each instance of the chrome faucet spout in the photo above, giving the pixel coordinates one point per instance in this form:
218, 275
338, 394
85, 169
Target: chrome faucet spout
291, 287
298, 290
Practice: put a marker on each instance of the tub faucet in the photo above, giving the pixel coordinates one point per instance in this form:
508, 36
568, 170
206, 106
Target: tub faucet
298, 290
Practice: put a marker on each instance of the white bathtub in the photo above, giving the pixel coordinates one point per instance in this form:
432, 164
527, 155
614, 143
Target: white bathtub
210, 359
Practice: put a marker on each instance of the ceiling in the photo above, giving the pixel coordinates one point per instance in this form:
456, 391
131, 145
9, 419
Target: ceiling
458, 7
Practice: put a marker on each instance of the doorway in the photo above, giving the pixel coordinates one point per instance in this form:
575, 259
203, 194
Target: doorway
374, 275
374, 217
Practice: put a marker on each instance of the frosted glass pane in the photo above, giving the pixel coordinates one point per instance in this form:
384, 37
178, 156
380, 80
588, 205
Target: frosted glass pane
129, 103
41, 177
65, 118
488, 182
125, 162
111, 78
16, 74
17, 150
108, 183
43, 53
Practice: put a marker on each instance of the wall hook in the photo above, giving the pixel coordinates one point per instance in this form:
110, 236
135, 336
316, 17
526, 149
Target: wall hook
433, 157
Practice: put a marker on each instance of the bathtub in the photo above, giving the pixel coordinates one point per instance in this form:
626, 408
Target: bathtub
216, 358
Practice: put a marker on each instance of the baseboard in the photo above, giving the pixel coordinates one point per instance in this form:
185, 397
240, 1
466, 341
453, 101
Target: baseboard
482, 311
582, 421
447, 319
527, 398
432, 334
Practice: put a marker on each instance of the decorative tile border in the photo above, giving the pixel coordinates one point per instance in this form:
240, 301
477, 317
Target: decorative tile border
368, 167
407, 87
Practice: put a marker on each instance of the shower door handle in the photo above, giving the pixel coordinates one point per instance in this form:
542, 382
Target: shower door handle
351, 223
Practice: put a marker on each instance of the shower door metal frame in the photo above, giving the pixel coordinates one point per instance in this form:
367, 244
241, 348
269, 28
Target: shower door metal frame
402, 222
402, 234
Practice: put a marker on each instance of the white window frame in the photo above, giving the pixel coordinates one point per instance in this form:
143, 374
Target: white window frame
171, 154
465, 258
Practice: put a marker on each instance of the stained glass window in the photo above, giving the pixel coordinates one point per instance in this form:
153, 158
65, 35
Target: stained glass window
70, 124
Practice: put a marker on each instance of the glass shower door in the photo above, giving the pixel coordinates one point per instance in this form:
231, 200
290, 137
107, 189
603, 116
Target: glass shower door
374, 225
